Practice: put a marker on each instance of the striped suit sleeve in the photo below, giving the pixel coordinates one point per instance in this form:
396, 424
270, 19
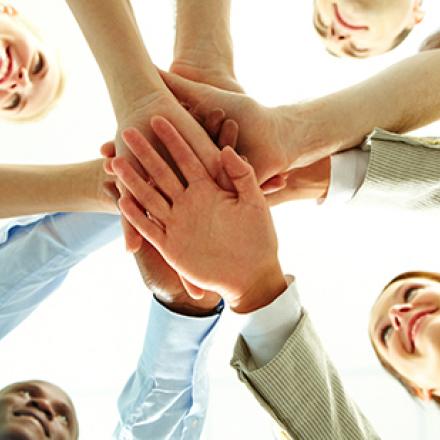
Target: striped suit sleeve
302, 391
403, 172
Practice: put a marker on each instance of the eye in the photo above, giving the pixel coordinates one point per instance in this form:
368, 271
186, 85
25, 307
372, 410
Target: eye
13, 103
386, 333
410, 293
39, 64
26, 394
63, 419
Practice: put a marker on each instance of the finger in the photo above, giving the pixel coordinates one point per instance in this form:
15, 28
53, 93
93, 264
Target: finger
185, 158
241, 174
147, 196
133, 240
111, 191
228, 134
108, 149
214, 122
274, 184
153, 163
108, 168
137, 220
193, 291
183, 89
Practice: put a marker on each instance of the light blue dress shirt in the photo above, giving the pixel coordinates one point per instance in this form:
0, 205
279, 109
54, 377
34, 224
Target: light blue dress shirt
167, 395
36, 254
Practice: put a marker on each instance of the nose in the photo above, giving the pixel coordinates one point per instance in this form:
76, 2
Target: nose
336, 34
20, 81
42, 405
398, 314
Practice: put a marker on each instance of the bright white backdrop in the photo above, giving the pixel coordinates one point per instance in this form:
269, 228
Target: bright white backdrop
88, 336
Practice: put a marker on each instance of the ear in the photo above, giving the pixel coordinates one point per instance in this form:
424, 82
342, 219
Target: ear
418, 14
424, 394
9, 10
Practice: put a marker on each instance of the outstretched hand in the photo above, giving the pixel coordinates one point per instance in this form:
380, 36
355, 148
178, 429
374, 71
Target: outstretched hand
260, 137
216, 240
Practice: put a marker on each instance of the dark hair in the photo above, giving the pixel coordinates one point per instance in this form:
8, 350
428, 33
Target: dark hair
400, 38
412, 389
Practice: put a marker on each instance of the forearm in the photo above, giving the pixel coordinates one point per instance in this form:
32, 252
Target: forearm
203, 33
114, 38
403, 97
32, 189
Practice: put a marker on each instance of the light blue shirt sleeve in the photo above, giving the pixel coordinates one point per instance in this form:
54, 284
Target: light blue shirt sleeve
36, 254
166, 398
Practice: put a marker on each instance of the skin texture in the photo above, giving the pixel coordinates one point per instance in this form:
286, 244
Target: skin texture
54, 188
135, 87
195, 227
30, 74
359, 28
158, 275
293, 136
35, 410
409, 344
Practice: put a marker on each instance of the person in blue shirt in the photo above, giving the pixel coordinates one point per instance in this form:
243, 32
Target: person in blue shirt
44, 249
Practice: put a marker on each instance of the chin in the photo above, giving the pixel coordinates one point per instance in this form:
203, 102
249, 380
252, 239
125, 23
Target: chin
17, 432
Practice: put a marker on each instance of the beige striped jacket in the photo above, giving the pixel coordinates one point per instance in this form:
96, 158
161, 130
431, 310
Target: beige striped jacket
300, 388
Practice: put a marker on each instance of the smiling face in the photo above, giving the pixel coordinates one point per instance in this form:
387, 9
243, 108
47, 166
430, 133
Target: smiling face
30, 74
405, 330
36, 410
363, 28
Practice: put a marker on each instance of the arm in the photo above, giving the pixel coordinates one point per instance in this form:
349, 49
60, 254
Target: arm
53, 188
279, 357
401, 98
167, 395
136, 90
203, 49
37, 253
403, 171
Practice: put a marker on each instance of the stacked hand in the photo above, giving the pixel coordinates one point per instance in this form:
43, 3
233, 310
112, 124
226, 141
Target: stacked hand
215, 240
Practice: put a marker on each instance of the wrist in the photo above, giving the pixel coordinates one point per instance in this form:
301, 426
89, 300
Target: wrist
267, 286
313, 130
182, 304
217, 61
137, 108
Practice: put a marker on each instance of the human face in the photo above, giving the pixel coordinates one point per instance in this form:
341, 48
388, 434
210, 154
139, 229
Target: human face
36, 410
29, 71
363, 28
405, 330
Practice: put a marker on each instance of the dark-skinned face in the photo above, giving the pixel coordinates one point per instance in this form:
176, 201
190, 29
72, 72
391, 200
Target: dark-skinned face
36, 410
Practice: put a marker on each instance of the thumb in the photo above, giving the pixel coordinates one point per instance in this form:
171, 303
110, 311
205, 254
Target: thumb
240, 172
194, 292
183, 89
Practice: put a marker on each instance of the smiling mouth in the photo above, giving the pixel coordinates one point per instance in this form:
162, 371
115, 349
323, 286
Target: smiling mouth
6, 66
36, 417
414, 325
343, 23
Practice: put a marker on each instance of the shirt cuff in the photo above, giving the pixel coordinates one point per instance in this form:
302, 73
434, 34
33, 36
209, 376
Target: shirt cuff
348, 171
266, 330
173, 342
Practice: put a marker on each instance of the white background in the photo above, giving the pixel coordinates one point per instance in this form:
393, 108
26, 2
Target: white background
88, 336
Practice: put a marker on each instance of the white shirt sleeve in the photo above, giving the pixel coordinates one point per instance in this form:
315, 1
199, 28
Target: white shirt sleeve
266, 330
348, 171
